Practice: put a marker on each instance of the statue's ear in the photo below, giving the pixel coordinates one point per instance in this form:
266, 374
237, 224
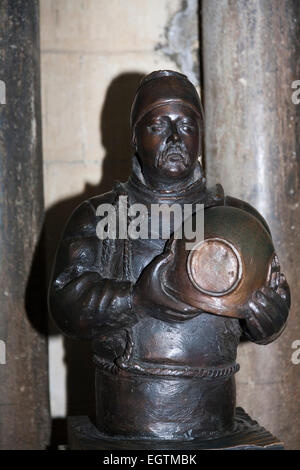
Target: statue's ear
133, 140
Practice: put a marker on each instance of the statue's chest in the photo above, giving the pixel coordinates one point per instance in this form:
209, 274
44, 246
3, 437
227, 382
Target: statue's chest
142, 253
203, 341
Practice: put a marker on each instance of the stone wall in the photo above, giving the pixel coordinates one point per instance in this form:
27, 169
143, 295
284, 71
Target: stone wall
93, 54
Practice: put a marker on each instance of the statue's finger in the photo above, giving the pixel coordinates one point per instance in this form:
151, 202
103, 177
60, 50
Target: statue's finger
271, 310
281, 305
273, 280
270, 313
259, 321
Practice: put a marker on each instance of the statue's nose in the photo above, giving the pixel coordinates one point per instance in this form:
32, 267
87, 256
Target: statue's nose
174, 136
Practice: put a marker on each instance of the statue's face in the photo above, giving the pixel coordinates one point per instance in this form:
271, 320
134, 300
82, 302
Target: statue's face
168, 141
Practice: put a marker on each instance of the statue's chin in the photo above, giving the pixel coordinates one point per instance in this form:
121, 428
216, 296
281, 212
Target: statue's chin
175, 169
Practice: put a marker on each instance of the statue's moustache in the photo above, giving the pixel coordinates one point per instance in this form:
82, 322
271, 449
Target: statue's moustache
171, 150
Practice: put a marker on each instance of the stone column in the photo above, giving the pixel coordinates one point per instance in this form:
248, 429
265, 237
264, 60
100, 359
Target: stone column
24, 410
251, 57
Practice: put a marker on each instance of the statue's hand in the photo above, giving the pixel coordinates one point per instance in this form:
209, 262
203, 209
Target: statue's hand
150, 298
267, 310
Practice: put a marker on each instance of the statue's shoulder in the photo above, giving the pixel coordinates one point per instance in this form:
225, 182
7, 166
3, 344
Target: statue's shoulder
83, 219
214, 196
106, 198
240, 204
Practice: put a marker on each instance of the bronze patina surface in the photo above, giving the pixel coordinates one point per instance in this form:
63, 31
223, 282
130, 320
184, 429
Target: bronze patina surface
220, 273
222, 257
165, 367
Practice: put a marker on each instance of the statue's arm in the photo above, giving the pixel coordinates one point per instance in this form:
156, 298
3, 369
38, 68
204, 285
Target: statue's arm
81, 299
267, 310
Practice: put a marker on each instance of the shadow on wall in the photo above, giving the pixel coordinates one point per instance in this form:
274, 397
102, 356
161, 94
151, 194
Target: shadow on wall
115, 137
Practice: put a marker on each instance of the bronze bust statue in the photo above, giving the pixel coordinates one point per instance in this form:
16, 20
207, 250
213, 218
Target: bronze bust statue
165, 323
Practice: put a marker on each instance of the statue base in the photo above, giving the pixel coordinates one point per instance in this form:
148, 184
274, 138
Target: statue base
248, 435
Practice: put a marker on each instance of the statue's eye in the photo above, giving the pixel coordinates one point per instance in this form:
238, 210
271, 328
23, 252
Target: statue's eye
156, 128
188, 128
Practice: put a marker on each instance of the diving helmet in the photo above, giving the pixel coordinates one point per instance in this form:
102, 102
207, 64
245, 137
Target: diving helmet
219, 274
